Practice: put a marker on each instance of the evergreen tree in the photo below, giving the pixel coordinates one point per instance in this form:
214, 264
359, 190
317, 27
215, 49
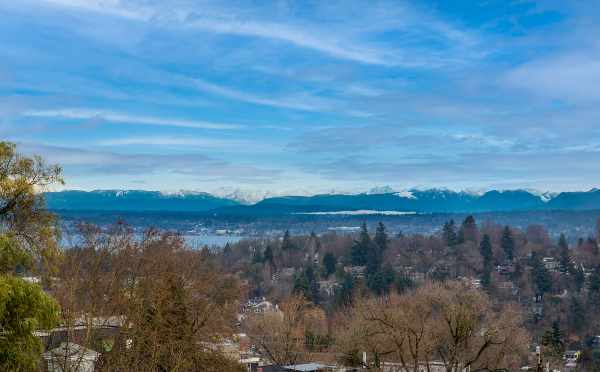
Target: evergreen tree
361, 247
469, 230
257, 257
594, 286
565, 259
508, 244
345, 292
306, 283
541, 276
594, 243
381, 238
329, 262
578, 279
576, 314
374, 259
174, 311
380, 281
553, 340
227, 251
287, 243
315, 241
440, 273
485, 249
460, 236
403, 283
449, 233
268, 256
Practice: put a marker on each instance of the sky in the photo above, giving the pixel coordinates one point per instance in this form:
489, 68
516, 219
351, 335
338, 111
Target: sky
305, 95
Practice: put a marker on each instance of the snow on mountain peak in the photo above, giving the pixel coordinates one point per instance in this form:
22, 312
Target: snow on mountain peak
545, 196
381, 190
406, 194
181, 193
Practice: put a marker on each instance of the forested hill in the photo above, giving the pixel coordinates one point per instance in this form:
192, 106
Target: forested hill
418, 201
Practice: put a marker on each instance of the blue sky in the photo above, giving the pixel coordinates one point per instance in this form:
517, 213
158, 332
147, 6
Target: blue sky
302, 95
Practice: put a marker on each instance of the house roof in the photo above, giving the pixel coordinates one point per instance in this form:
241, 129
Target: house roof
70, 349
306, 367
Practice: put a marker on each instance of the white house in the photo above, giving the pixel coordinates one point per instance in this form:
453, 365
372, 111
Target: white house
71, 357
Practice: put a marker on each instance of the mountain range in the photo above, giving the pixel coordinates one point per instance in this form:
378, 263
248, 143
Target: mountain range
381, 199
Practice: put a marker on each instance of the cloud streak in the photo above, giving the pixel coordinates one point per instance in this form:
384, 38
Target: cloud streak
116, 117
337, 42
110, 163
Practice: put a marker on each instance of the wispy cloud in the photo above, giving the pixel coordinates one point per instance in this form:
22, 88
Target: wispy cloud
96, 163
115, 117
225, 24
573, 78
230, 145
335, 41
302, 102
110, 7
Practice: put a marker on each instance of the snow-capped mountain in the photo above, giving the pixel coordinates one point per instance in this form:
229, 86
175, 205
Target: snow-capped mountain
379, 199
252, 196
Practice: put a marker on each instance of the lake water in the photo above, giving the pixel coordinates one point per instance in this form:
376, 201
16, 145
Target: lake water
199, 241
193, 241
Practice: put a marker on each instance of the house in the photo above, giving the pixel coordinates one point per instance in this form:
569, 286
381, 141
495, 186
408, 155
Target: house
505, 269
423, 367
508, 286
355, 271
471, 282
258, 305
100, 330
328, 287
595, 342
550, 263
308, 367
71, 357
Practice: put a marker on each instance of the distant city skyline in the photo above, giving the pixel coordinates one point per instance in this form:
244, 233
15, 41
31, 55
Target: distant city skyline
281, 96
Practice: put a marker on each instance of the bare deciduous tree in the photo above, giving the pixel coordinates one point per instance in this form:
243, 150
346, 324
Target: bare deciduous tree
446, 323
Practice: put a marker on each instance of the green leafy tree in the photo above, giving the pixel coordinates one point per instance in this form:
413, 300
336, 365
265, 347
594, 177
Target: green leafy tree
29, 241
508, 244
24, 308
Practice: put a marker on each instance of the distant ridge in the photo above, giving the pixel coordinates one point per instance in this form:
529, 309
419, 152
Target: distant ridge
135, 200
382, 199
